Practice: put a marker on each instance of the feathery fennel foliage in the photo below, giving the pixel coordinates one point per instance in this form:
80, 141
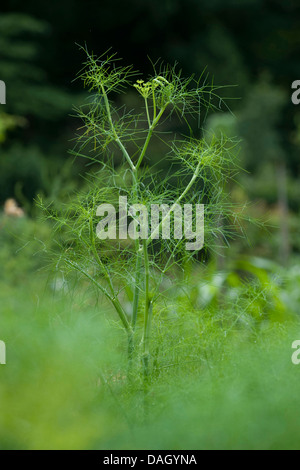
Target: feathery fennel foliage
120, 144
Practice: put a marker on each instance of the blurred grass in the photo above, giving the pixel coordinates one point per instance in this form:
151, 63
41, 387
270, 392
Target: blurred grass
218, 383
49, 385
247, 400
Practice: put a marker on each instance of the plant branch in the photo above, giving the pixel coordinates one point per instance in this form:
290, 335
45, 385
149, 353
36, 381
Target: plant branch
194, 177
149, 135
113, 299
116, 137
137, 283
147, 318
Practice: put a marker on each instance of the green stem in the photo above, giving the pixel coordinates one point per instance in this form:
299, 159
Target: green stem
154, 103
150, 132
136, 282
113, 299
147, 317
193, 179
98, 260
147, 112
138, 261
116, 137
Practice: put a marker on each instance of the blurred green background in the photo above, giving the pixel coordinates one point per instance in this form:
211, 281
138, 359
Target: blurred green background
244, 392
251, 46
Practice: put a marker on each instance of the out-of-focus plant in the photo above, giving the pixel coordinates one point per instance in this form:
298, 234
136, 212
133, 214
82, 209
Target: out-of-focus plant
9, 122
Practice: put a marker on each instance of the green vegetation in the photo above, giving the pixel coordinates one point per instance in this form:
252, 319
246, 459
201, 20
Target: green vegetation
142, 344
119, 141
222, 377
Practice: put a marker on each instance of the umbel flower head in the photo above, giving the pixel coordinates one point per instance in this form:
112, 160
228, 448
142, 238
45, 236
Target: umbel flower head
146, 88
